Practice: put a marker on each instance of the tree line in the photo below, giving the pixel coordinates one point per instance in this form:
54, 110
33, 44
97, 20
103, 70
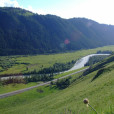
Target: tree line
27, 79
56, 68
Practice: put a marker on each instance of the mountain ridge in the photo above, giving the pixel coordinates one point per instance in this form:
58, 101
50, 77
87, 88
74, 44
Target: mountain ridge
23, 32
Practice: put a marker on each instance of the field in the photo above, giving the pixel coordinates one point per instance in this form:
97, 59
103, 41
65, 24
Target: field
10, 65
15, 86
51, 100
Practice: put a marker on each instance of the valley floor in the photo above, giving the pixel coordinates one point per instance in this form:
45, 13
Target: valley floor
50, 100
27, 64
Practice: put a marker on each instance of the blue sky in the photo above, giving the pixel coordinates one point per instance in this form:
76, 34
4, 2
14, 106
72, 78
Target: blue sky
98, 10
48, 3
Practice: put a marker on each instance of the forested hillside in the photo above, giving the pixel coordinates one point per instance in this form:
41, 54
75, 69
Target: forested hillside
23, 32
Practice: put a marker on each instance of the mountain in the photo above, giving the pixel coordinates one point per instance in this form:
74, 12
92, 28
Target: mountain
24, 32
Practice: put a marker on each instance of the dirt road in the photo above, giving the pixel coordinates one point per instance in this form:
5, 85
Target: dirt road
29, 88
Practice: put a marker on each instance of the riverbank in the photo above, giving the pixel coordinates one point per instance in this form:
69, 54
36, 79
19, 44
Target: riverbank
79, 64
19, 65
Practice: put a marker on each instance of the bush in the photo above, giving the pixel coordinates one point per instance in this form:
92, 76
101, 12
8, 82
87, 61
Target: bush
63, 83
39, 77
12, 80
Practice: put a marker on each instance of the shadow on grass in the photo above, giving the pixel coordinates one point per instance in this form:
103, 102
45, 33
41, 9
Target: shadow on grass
98, 74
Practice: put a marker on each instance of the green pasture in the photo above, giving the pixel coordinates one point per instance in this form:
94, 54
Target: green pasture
67, 73
25, 64
14, 86
50, 100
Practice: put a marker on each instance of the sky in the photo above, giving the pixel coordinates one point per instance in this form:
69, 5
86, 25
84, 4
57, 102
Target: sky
101, 11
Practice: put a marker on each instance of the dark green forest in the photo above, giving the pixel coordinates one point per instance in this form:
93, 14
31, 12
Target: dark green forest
23, 32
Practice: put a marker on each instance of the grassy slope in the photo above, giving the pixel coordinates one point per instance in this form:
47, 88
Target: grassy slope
99, 92
14, 87
38, 62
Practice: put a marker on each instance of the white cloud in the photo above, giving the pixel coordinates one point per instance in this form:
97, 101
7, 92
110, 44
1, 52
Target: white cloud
99, 10
39, 11
9, 3
14, 3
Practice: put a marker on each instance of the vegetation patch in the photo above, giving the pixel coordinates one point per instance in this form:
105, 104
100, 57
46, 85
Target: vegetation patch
27, 64
62, 83
99, 65
68, 100
103, 70
95, 59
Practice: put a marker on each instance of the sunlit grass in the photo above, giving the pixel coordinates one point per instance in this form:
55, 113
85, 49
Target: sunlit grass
30, 63
14, 87
14, 69
67, 73
99, 92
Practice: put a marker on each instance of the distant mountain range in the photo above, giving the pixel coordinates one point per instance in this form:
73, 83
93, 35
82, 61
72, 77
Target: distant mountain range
24, 32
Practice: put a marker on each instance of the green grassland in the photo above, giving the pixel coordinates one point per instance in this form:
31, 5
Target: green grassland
24, 64
50, 100
68, 73
15, 86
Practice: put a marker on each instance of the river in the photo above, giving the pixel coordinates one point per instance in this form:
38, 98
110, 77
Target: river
79, 64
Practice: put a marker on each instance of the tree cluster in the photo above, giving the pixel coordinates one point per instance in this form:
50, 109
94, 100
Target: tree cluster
57, 67
105, 52
12, 81
62, 83
38, 77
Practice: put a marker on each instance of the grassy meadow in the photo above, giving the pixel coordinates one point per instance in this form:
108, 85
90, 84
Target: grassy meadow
27, 63
51, 100
15, 86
